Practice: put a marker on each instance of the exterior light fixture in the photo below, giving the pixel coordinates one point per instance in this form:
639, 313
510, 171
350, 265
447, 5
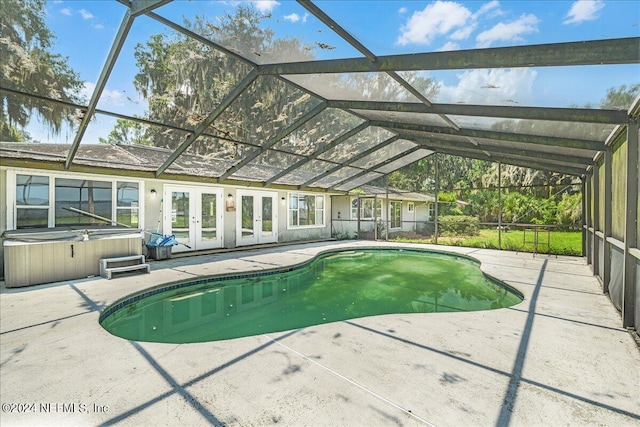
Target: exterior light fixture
154, 193
230, 204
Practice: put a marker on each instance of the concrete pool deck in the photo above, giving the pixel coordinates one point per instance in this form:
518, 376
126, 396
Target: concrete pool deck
558, 358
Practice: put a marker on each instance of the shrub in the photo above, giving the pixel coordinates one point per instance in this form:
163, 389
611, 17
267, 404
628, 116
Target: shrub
458, 225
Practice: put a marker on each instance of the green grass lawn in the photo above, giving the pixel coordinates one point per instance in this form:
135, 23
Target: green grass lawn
560, 242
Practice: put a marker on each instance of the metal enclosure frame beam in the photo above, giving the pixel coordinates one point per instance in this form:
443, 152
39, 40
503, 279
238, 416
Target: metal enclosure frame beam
588, 219
136, 8
116, 47
515, 159
595, 177
592, 52
608, 183
398, 127
583, 219
582, 115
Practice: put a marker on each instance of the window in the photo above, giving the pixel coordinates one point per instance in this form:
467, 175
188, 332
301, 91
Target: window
32, 201
47, 201
306, 210
411, 207
431, 214
74, 195
395, 214
366, 208
127, 203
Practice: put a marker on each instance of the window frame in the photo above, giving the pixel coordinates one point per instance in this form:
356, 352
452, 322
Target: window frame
391, 215
12, 205
318, 212
411, 207
377, 213
12, 214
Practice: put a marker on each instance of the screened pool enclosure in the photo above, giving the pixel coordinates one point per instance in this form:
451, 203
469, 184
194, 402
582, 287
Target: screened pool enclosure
332, 109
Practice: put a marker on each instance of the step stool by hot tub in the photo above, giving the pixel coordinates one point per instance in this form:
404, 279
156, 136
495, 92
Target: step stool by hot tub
124, 264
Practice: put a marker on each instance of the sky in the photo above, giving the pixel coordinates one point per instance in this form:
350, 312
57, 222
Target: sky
85, 31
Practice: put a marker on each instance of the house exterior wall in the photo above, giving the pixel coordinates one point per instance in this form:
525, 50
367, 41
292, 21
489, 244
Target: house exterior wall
344, 225
152, 216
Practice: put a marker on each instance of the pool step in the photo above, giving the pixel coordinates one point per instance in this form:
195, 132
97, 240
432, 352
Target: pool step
125, 264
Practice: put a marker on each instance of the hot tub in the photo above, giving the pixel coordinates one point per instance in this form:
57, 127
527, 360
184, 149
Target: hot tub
38, 256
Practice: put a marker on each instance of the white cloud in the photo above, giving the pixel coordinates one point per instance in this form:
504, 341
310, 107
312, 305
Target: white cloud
294, 17
499, 86
450, 46
85, 14
436, 19
109, 97
464, 32
66, 11
511, 31
583, 10
493, 6
265, 6
99, 27
403, 10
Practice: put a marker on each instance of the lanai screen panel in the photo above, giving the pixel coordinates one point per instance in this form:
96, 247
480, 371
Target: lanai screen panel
265, 37
404, 161
397, 147
172, 79
39, 130
305, 172
267, 165
212, 46
220, 148
337, 177
266, 107
318, 132
357, 182
354, 86
560, 129
364, 140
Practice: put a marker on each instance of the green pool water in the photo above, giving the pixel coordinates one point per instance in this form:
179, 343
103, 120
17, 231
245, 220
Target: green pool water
333, 287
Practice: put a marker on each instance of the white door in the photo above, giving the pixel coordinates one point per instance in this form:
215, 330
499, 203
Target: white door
194, 216
257, 217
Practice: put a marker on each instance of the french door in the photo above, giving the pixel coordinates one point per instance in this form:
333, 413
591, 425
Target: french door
257, 217
194, 216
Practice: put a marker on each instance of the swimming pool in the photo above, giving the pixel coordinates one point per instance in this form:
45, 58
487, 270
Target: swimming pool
334, 286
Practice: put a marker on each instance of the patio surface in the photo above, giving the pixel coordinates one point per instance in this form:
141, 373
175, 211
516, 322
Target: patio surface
557, 358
